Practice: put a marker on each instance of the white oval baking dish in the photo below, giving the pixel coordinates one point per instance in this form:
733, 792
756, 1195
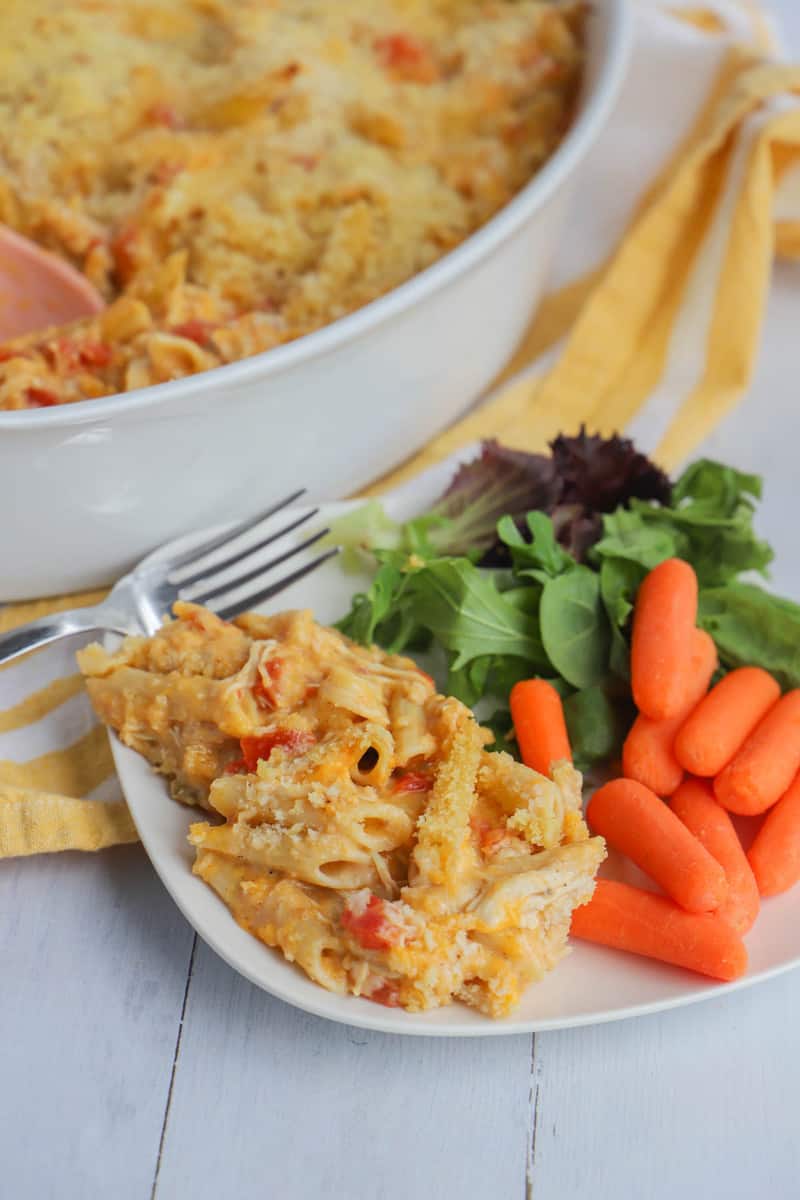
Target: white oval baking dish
86, 489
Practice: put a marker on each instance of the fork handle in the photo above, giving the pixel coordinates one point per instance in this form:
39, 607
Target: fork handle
44, 630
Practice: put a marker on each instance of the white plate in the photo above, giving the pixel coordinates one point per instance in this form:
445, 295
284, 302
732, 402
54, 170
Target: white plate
591, 985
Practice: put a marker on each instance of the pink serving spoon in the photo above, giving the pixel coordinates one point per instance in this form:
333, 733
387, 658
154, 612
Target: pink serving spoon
37, 289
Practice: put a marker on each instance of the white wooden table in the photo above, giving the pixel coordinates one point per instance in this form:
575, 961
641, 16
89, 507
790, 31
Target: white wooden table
135, 1064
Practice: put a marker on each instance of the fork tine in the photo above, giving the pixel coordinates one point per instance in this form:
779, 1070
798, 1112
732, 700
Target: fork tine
203, 597
217, 567
240, 606
197, 552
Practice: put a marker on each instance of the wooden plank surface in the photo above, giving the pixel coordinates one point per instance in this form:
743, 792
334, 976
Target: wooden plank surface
94, 958
698, 1103
269, 1101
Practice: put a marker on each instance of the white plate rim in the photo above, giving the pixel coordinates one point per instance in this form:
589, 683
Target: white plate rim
412, 1024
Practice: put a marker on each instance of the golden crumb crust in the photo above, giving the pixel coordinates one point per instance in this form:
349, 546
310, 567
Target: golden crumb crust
231, 175
355, 820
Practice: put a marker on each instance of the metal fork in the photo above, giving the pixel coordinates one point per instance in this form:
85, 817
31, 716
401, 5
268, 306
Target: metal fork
140, 600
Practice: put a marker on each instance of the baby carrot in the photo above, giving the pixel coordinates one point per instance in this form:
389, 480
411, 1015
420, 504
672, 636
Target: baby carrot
695, 805
761, 771
631, 919
720, 723
775, 853
633, 820
647, 754
539, 724
663, 619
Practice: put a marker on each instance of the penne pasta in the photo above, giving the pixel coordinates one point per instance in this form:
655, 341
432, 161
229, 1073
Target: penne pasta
328, 860
365, 832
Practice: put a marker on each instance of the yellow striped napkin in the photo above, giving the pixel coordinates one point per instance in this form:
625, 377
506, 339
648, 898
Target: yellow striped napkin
652, 325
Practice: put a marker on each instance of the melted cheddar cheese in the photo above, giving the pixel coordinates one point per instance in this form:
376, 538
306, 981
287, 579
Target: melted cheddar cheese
231, 175
359, 823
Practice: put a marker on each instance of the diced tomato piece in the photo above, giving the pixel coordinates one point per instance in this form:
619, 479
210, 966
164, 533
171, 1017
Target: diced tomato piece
387, 994
195, 330
370, 928
123, 248
478, 826
63, 354
489, 836
95, 354
261, 695
68, 355
165, 172
307, 161
38, 397
407, 57
412, 781
262, 745
491, 839
164, 114
236, 767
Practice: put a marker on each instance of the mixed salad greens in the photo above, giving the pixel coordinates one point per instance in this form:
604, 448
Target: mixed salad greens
529, 565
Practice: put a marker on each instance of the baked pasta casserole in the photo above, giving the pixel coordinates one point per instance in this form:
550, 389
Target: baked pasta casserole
356, 820
231, 174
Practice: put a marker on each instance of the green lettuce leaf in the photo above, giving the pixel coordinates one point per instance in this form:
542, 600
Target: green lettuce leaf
541, 612
540, 558
709, 524
619, 582
465, 612
753, 628
574, 626
597, 723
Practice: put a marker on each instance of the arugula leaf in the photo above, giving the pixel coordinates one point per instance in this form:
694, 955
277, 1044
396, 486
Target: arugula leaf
753, 628
372, 608
541, 557
463, 609
574, 627
525, 598
628, 535
468, 683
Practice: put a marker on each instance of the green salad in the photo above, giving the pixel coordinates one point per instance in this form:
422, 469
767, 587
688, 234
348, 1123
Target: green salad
529, 565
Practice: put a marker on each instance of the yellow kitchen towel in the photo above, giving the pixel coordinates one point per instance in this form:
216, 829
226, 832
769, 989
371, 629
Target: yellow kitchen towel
652, 325
58, 790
